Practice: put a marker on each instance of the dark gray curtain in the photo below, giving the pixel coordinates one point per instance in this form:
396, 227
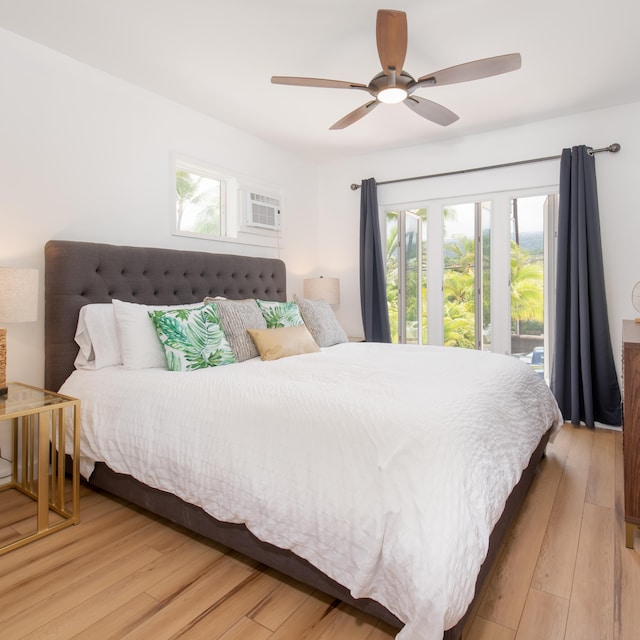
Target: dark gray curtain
373, 293
584, 379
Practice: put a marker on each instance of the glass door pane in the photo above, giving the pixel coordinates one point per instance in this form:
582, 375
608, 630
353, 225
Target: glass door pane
527, 280
412, 278
406, 275
392, 273
485, 265
424, 280
459, 287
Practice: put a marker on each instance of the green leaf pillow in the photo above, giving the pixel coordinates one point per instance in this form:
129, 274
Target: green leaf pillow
280, 314
192, 338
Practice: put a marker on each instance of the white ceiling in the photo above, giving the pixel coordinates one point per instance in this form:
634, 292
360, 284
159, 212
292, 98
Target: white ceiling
218, 57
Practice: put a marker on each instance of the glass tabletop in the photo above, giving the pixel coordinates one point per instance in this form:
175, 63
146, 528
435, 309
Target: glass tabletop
21, 398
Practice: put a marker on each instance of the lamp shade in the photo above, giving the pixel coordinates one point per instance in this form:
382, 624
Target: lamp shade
18, 294
18, 303
322, 289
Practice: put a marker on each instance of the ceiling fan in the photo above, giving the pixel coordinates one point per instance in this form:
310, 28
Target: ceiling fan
393, 84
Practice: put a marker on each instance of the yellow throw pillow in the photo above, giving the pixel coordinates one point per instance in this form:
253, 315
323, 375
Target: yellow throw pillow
283, 341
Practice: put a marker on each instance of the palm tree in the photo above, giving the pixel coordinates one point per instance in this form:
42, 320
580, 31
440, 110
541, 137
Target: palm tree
392, 272
459, 254
527, 282
458, 326
527, 278
187, 186
392, 277
459, 292
193, 190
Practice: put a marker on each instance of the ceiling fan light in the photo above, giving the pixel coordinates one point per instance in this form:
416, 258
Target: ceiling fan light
392, 95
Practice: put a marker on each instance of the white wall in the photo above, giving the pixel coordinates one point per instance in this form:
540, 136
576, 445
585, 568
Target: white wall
85, 156
617, 181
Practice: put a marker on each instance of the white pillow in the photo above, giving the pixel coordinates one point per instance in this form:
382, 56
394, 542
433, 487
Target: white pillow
97, 337
141, 348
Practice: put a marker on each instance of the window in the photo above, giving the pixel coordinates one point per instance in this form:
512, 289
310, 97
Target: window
209, 203
203, 203
484, 269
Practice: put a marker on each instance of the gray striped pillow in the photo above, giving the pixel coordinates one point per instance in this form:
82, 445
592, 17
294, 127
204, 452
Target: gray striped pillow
236, 316
321, 322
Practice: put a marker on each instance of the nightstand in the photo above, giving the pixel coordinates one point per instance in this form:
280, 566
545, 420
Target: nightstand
38, 420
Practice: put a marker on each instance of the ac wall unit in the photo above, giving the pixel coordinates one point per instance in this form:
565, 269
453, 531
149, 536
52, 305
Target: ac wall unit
262, 211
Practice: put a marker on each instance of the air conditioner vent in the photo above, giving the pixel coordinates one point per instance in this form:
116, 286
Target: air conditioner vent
262, 211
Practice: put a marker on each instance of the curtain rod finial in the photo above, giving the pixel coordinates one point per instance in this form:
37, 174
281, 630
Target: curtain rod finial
354, 186
614, 148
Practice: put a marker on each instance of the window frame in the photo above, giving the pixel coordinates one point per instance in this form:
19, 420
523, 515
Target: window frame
500, 294
228, 204
234, 196
403, 291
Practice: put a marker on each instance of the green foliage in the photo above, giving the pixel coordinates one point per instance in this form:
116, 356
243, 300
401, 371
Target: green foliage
280, 314
187, 186
527, 281
459, 292
192, 338
415, 281
527, 276
192, 191
458, 326
392, 273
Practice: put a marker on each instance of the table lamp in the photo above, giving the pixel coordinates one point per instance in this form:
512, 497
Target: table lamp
322, 289
18, 303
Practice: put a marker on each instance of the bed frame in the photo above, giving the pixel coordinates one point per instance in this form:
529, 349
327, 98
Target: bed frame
79, 273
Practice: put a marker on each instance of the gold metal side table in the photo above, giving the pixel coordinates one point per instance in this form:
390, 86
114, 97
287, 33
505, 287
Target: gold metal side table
39, 420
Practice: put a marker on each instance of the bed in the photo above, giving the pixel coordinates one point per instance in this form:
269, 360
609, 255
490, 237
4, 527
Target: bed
368, 574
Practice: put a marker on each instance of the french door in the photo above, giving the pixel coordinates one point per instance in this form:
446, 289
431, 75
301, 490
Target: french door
475, 273
406, 278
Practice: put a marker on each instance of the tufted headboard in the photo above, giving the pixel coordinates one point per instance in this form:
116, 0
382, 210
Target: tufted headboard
78, 273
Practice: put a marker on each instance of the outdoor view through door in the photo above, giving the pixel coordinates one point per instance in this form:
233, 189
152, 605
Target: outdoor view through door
406, 276
443, 260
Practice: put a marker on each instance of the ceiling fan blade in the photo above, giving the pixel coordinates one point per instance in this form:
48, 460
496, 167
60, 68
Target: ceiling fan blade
431, 110
391, 36
475, 70
317, 82
355, 115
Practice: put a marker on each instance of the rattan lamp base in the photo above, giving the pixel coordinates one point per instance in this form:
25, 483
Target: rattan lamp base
3, 362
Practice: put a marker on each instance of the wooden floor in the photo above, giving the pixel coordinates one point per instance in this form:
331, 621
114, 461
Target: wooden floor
563, 573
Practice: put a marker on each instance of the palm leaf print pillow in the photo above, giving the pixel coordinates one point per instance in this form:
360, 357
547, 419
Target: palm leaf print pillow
192, 338
280, 314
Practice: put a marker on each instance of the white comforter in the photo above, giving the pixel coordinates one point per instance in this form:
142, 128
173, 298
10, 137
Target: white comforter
385, 466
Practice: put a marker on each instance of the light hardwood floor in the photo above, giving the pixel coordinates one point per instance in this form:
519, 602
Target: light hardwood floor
564, 571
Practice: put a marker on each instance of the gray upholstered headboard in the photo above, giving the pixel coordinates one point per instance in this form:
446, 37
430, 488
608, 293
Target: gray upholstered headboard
78, 273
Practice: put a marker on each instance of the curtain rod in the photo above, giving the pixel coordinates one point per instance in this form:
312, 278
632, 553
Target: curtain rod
613, 148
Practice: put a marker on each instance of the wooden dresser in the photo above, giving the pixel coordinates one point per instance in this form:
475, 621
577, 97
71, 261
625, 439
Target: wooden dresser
631, 428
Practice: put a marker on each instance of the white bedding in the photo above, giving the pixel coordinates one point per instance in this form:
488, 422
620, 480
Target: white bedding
385, 466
